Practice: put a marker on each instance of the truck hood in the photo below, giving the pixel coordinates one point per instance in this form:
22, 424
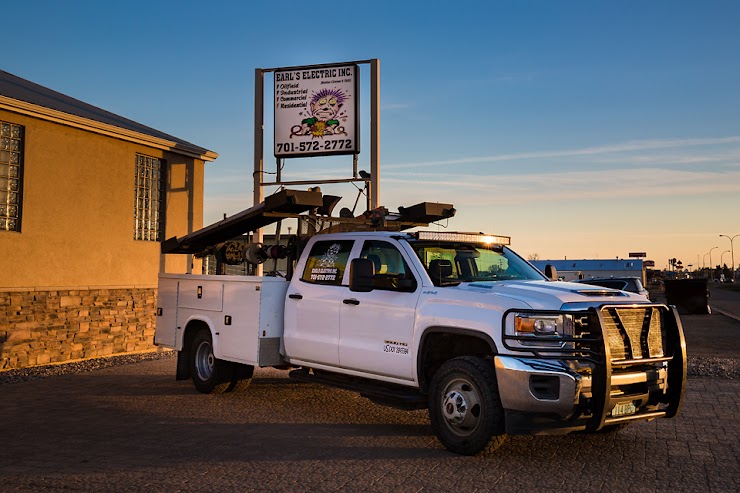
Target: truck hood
551, 295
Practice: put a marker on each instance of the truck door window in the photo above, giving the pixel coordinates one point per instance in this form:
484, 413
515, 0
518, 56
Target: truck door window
391, 270
327, 262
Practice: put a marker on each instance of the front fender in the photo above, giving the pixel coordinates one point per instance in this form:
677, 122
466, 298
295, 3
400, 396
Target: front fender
467, 341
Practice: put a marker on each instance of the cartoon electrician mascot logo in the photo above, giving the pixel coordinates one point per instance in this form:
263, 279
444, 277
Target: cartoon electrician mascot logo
326, 115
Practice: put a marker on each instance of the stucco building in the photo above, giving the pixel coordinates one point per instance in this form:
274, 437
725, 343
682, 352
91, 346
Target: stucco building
86, 197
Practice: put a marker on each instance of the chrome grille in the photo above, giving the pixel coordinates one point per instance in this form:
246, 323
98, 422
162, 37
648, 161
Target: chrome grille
633, 333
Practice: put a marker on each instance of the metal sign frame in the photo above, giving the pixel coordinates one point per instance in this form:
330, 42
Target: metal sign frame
374, 180
373, 183
316, 111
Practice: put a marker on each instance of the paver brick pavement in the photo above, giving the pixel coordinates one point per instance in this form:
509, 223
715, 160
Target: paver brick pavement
134, 428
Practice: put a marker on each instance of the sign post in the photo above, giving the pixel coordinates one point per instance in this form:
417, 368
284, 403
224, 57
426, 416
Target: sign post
317, 113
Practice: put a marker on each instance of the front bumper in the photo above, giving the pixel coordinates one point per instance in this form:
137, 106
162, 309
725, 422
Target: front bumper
548, 397
557, 394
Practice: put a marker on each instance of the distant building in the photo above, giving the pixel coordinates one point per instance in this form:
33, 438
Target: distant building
86, 197
570, 270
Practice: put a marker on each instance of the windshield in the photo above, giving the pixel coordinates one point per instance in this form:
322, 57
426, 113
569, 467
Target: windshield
453, 263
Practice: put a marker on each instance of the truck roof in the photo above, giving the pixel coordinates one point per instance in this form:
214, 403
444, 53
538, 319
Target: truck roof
441, 236
385, 234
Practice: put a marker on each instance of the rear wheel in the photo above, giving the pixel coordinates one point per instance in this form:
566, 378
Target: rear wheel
210, 375
241, 378
465, 408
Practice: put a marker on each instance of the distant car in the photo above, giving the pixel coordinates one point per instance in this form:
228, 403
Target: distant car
631, 284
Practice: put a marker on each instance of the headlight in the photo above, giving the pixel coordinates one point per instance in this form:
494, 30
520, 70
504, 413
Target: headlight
543, 330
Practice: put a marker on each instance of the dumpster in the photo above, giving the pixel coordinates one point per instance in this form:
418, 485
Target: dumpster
691, 296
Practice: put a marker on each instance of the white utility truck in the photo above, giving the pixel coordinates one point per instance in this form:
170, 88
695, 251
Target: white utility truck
454, 322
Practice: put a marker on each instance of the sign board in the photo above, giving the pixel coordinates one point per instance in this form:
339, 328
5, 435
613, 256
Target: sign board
638, 254
649, 263
317, 111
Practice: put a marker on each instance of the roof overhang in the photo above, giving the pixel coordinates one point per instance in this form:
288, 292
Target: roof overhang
48, 114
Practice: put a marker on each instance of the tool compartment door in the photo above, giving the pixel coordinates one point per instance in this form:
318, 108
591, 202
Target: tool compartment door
166, 321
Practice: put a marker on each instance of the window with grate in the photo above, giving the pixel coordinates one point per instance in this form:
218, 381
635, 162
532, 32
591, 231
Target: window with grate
148, 198
11, 176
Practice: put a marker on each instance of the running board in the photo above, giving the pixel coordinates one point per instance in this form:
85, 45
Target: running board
392, 395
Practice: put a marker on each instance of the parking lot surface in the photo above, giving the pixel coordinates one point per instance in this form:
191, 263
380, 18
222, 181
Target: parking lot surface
134, 428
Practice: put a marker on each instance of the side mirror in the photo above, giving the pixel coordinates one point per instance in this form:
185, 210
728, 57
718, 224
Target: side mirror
361, 272
551, 272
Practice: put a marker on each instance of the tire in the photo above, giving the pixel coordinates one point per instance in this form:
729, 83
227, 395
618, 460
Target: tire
241, 378
210, 375
465, 408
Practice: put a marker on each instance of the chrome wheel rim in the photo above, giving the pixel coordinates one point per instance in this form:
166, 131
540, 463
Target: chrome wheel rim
461, 407
204, 360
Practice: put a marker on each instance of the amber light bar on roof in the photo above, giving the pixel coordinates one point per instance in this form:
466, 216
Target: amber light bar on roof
463, 237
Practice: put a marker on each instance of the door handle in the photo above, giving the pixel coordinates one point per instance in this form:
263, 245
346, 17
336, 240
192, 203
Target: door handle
351, 301
295, 296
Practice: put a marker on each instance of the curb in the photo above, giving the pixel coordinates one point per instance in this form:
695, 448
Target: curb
725, 313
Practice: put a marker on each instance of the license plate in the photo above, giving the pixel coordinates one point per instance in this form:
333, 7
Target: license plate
624, 409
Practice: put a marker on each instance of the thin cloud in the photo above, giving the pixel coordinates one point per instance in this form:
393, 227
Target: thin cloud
572, 186
668, 159
630, 146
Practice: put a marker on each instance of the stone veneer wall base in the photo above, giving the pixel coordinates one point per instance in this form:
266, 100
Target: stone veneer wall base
39, 327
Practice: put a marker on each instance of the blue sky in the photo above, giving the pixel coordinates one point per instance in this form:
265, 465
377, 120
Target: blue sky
580, 128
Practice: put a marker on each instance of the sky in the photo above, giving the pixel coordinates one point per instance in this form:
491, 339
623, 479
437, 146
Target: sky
582, 129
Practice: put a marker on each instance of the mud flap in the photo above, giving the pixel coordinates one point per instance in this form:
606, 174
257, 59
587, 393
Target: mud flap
183, 365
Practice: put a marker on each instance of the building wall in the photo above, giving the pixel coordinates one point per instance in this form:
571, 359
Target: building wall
78, 210
73, 282
594, 268
53, 326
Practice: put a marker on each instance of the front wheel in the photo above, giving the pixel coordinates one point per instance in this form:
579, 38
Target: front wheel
210, 375
465, 408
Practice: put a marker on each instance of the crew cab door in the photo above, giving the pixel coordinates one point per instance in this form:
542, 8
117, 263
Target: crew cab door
376, 328
313, 301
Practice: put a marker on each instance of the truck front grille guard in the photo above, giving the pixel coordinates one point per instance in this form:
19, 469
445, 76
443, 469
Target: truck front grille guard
617, 339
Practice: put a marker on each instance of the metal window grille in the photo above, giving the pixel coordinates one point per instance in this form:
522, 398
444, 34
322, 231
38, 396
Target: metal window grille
148, 199
11, 176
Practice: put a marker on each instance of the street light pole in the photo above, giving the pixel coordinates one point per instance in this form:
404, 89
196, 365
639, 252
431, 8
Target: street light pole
722, 260
704, 261
711, 269
732, 249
